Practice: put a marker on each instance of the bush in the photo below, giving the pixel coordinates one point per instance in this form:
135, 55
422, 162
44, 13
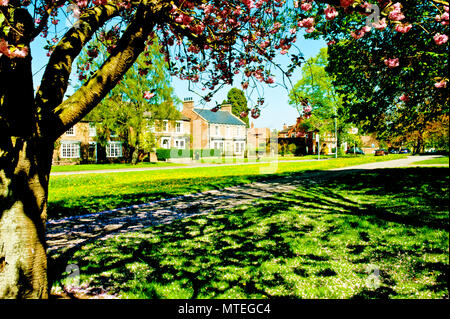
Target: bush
291, 149
164, 154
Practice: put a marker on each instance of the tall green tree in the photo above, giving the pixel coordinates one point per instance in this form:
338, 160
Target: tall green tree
238, 103
317, 90
393, 79
143, 96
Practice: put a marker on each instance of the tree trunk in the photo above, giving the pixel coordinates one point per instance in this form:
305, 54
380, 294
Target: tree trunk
25, 162
24, 174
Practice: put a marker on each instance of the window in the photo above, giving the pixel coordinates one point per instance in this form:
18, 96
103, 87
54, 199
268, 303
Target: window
70, 149
178, 127
228, 131
114, 149
218, 145
71, 131
165, 142
217, 130
179, 143
238, 147
165, 126
236, 131
113, 134
92, 130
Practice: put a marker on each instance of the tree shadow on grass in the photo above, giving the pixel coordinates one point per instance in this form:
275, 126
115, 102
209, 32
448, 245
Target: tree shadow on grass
249, 252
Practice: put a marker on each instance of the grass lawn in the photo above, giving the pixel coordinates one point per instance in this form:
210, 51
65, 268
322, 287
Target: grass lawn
95, 167
89, 193
378, 234
228, 160
439, 160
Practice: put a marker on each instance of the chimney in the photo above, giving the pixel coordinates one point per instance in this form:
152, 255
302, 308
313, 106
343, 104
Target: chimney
226, 107
188, 104
284, 126
252, 125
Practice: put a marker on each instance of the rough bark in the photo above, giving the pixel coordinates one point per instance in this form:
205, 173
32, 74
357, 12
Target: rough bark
24, 176
29, 127
25, 161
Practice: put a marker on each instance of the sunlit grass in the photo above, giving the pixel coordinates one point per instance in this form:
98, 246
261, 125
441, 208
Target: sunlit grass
439, 160
96, 167
88, 193
380, 234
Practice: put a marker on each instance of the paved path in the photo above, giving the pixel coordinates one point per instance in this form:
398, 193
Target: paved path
74, 231
182, 165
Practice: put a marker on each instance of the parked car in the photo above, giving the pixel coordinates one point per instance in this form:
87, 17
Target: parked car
355, 150
381, 152
405, 151
393, 150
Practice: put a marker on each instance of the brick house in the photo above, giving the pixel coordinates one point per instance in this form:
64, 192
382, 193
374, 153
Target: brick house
306, 141
257, 137
78, 145
172, 133
220, 130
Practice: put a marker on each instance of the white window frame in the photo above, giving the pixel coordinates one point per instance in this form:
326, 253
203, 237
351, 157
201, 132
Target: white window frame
228, 131
168, 142
165, 126
217, 130
179, 126
114, 146
70, 149
70, 131
177, 141
238, 147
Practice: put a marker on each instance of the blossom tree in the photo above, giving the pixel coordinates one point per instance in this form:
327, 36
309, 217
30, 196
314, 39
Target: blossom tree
205, 42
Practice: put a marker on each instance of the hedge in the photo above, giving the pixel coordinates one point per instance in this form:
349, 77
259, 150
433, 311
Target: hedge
163, 154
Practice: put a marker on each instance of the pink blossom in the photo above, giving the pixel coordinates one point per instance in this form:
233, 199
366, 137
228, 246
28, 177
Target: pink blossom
446, 8
20, 53
331, 42
440, 38
306, 6
381, 25
358, 34
148, 95
4, 3
310, 30
366, 29
306, 23
4, 49
441, 84
403, 28
404, 97
392, 63
82, 3
330, 12
346, 3
396, 14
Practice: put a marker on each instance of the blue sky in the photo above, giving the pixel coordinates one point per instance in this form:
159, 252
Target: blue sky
274, 114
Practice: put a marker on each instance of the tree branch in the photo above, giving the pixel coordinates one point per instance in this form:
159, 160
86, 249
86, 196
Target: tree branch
131, 44
56, 77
